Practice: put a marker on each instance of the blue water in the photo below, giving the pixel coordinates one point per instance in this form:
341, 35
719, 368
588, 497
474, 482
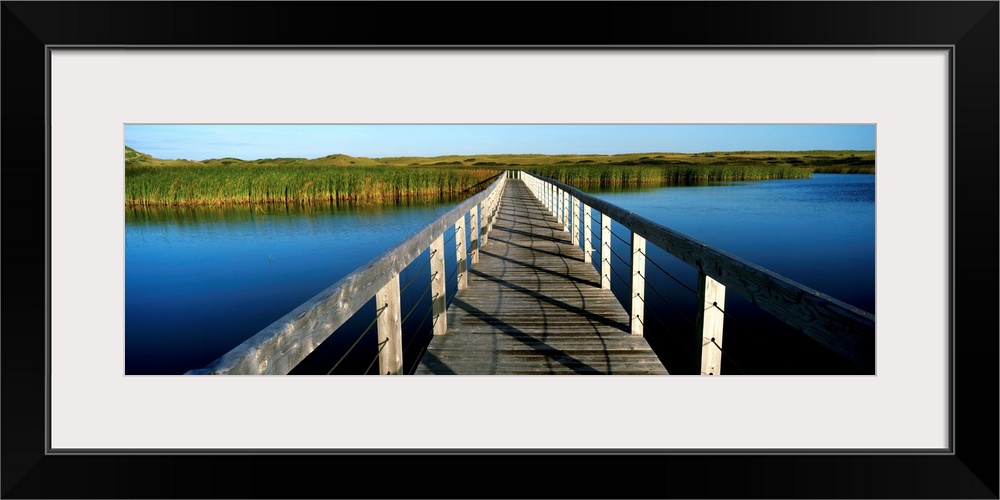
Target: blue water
200, 281
819, 232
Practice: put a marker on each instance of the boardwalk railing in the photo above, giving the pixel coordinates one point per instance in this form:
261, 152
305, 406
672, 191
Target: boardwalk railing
278, 348
842, 328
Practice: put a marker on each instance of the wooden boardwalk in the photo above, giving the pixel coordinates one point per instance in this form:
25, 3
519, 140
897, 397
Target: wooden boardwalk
533, 306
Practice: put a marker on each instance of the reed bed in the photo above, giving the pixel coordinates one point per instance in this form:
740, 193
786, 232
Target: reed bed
267, 184
387, 181
844, 170
628, 175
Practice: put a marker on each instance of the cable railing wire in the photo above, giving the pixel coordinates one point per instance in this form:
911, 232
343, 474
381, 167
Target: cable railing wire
730, 358
629, 243
417, 302
671, 334
627, 263
657, 292
381, 345
595, 233
416, 273
728, 315
370, 325
416, 331
679, 282
619, 276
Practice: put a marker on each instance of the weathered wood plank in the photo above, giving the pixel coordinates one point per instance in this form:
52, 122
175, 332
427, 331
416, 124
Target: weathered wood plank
503, 341
533, 305
552, 366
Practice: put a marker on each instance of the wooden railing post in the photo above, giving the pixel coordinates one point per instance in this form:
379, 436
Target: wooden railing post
638, 283
554, 201
486, 220
575, 232
557, 204
438, 287
461, 263
711, 293
494, 205
495, 211
588, 245
605, 251
390, 329
474, 236
565, 209
561, 204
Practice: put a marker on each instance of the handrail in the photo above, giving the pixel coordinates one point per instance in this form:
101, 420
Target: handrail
841, 327
280, 346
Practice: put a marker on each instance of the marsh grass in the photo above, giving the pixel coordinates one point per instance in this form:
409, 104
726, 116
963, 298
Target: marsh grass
345, 179
267, 184
617, 175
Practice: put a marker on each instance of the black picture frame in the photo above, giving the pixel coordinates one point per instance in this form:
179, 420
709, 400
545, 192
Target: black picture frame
970, 28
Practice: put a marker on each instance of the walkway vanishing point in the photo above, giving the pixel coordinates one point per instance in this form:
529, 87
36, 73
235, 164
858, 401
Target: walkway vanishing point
531, 299
534, 306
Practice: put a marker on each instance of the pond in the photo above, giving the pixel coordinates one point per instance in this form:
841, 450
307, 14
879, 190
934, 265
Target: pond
819, 232
200, 281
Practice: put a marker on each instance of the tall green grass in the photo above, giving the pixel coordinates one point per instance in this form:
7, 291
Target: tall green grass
627, 175
844, 170
381, 181
254, 184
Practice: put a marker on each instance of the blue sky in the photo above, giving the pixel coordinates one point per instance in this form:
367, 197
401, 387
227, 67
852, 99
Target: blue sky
251, 142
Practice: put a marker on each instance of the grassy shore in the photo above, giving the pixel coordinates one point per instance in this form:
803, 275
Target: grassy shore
268, 184
344, 179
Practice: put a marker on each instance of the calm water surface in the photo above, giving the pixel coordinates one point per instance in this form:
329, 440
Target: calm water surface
819, 232
200, 281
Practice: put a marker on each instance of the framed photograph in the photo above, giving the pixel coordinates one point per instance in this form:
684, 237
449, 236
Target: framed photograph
922, 75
